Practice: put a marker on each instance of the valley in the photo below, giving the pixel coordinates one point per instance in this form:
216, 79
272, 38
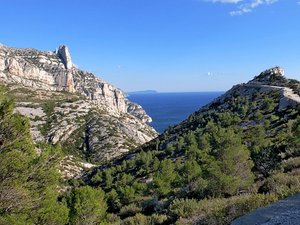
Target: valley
90, 154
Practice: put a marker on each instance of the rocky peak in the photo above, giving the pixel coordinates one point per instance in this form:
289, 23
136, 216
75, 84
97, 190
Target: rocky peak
54, 71
71, 106
64, 54
274, 76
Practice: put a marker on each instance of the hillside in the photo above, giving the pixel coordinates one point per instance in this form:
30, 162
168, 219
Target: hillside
91, 119
236, 154
233, 155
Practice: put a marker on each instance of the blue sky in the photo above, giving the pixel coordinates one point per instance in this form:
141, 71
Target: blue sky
166, 45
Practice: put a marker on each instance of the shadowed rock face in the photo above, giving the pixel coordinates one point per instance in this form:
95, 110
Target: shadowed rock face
72, 106
64, 53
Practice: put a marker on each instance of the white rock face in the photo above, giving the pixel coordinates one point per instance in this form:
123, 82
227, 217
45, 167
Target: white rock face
101, 122
275, 70
33, 69
271, 76
55, 72
70, 82
64, 53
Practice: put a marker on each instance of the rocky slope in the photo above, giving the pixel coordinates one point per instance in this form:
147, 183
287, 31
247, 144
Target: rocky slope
269, 85
89, 117
233, 155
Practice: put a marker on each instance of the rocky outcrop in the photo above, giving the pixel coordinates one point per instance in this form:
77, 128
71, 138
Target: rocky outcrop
137, 111
274, 76
54, 71
70, 167
271, 80
88, 116
64, 53
32, 68
274, 80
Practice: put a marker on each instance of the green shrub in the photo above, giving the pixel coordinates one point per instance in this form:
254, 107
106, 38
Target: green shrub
111, 219
283, 184
158, 219
221, 211
184, 207
138, 219
130, 210
87, 206
291, 164
48, 108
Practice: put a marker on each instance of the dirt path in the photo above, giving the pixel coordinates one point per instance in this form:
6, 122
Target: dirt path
283, 212
289, 93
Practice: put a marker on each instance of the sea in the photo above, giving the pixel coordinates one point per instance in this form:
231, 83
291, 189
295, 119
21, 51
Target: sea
167, 109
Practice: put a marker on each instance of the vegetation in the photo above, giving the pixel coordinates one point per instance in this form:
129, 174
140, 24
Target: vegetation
28, 181
215, 166
223, 161
87, 206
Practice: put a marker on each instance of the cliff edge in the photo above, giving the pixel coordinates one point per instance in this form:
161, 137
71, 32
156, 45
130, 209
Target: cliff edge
88, 116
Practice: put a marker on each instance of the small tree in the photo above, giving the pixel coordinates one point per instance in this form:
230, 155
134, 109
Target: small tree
87, 205
164, 177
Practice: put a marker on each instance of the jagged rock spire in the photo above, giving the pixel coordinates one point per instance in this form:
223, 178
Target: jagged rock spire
64, 54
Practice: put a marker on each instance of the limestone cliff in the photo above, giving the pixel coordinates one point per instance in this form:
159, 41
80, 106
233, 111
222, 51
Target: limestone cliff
88, 116
54, 71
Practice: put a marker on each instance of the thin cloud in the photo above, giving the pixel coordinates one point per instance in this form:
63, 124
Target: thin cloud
250, 6
244, 6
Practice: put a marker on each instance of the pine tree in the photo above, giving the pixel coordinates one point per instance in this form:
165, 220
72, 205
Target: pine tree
87, 205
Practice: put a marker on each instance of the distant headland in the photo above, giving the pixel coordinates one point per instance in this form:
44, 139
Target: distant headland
143, 92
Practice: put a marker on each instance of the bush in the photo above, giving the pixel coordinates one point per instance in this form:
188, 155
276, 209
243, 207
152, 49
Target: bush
129, 210
158, 219
184, 207
290, 164
283, 184
221, 211
87, 206
112, 219
138, 219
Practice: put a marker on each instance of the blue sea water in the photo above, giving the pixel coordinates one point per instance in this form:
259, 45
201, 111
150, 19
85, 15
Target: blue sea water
168, 109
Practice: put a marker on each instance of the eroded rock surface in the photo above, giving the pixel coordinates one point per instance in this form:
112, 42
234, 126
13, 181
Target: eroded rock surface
91, 118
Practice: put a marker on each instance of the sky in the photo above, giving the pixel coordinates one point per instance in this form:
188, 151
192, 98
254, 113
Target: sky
163, 45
